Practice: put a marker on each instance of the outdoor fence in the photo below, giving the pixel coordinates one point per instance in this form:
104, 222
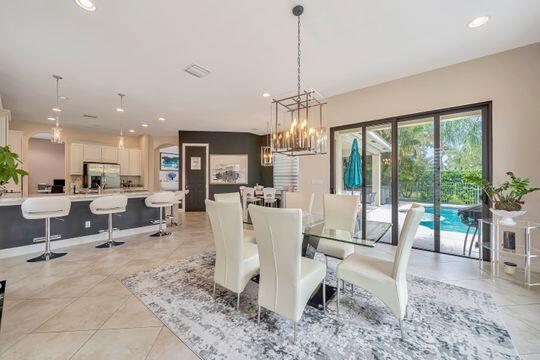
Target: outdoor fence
457, 193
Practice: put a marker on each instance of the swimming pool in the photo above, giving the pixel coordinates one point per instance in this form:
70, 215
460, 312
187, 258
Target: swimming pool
450, 220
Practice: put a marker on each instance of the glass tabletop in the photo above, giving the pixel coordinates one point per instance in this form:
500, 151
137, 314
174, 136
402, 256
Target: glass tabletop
375, 230
519, 224
315, 227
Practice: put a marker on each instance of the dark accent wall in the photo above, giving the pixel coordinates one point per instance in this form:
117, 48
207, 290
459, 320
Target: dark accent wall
231, 143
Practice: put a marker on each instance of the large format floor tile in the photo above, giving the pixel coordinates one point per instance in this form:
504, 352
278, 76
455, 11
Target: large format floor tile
78, 301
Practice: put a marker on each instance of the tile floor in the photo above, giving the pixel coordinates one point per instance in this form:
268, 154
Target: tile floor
76, 308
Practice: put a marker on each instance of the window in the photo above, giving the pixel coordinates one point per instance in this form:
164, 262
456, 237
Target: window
286, 170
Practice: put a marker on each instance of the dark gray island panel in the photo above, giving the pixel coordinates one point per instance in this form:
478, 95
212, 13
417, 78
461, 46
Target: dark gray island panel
17, 231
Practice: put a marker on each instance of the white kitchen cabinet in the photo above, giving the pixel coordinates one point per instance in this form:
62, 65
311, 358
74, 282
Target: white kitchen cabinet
92, 153
135, 162
15, 145
123, 160
76, 159
109, 154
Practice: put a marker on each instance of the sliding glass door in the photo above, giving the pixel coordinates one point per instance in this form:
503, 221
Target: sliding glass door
424, 159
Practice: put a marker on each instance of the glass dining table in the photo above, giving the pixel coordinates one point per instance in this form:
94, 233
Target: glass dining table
315, 228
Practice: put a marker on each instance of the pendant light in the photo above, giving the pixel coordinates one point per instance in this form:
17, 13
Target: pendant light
121, 108
121, 141
57, 137
266, 151
299, 109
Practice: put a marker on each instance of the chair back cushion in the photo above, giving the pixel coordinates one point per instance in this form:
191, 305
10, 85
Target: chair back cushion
300, 200
279, 239
227, 197
406, 239
109, 204
269, 193
227, 228
46, 207
340, 212
159, 199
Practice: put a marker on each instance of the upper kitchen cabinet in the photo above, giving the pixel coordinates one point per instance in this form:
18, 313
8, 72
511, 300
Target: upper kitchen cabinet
109, 154
135, 162
76, 163
92, 153
123, 160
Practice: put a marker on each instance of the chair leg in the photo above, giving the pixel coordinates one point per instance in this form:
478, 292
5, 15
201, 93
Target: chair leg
324, 293
338, 291
472, 241
326, 259
401, 328
214, 292
294, 330
352, 289
48, 254
110, 242
259, 315
465, 241
238, 301
161, 232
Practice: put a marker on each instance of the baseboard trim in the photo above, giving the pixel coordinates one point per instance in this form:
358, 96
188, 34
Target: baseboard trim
58, 244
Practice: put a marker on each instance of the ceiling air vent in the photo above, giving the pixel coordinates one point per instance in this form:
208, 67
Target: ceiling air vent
197, 71
90, 116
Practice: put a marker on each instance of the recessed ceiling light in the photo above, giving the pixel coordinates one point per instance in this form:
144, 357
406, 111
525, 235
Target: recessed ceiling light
479, 21
87, 5
119, 109
197, 70
265, 94
56, 109
51, 118
161, 119
131, 131
144, 125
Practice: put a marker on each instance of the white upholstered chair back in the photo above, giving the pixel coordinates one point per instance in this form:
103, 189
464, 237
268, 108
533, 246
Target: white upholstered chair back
160, 199
247, 192
279, 239
269, 193
46, 207
227, 228
109, 204
406, 239
300, 200
340, 212
227, 197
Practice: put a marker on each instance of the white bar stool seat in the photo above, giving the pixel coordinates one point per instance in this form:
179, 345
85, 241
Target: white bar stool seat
109, 205
160, 200
46, 208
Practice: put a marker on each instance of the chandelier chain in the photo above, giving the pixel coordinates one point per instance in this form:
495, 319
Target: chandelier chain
299, 53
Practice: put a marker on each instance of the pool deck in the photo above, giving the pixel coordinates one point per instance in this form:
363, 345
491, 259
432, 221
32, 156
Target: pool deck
451, 241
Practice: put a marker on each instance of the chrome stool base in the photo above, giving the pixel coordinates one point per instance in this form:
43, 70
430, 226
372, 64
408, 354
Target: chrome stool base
109, 244
46, 257
161, 233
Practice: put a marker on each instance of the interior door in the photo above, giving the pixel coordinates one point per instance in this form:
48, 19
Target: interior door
195, 170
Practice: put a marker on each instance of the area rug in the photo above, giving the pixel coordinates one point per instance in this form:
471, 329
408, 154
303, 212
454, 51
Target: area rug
443, 321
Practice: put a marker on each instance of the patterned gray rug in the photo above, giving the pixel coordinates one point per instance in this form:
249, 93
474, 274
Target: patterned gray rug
443, 321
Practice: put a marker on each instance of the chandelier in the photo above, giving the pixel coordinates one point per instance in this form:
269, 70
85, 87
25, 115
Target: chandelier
56, 136
266, 151
300, 138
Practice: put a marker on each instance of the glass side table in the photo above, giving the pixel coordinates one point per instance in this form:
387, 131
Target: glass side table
511, 249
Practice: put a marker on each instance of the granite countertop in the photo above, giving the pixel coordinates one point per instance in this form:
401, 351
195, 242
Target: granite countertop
16, 199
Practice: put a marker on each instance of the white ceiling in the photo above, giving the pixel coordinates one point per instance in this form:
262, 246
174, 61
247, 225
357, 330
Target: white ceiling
140, 48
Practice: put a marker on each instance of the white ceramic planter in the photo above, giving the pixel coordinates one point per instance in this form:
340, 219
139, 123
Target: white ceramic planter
507, 217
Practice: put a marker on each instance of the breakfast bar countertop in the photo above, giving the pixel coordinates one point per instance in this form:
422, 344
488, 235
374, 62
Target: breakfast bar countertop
8, 199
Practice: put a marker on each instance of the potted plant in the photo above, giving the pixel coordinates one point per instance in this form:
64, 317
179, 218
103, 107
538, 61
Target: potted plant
507, 198
9, 168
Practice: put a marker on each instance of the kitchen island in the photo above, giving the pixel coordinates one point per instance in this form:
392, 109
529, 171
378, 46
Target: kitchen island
21, 236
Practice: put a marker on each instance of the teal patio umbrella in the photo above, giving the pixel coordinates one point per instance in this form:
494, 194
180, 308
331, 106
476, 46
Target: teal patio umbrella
353, 171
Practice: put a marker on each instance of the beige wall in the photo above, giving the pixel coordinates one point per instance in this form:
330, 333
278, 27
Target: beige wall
510, 79
45, 162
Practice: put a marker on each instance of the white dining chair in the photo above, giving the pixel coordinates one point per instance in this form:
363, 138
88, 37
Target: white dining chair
300, 200
249, 234
385, 279
237, 261
340, 212
227, 197
287, 280
269, 197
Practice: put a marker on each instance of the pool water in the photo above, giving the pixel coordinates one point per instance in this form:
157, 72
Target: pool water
450, 221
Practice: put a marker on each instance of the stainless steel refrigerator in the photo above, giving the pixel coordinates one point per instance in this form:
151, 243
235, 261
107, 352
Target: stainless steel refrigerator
101, 175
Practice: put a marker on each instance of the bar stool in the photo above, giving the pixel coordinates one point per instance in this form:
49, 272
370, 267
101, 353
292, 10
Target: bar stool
160, 200
179, 197
109, 205
46, 208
